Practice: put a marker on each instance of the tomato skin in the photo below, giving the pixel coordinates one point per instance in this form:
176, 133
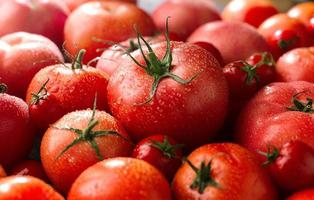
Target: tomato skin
2, 172
16, 131
212, 49
91, 22
267, 120
29, 168
26, 188
307, 194
42, 17
253, 12
121, 178
234, 168
188, 123
73, 4
296, 65
154, 156
63, 170
305, 13
67, 90
281, 27
22, 55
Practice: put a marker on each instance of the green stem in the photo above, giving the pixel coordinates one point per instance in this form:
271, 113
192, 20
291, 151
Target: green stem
78, 61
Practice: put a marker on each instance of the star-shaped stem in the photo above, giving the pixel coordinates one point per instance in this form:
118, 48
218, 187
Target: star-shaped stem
167, 149
41, 94
306, 107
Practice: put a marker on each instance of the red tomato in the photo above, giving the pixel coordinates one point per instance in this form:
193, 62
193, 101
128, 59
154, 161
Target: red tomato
292, 166
62, 88
277, 114
296, 65
253, 12
305, 13
26, 188
43, 17
78, 140
160, 151
222, 171
307, 194
94, 25
2, 172
183, 96
120, 178
234, 40
284, 33
29, 168
185, 16
16, 133
22, 55
212, 49
73, 4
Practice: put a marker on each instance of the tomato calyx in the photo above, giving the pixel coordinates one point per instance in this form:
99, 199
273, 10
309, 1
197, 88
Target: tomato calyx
3, 88
271, 155
167, 149
267, 59
251, 72
306, 107
203, 177
40, 95
88, 135
285, 44
78, 60
158, 69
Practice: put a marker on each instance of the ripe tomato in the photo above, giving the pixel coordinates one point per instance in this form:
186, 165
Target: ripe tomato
222, 171
296, 65
120, 178
284, 33
78, 140
42, 17
62, 88
305, 13
277, 114
242, 39
160, 151
253, 12
212, 49
16, 133
2, 172
186, 16
73, 4
29, 168
291, 166
26, 188
22, 55
183, 95
94, 22
307, 194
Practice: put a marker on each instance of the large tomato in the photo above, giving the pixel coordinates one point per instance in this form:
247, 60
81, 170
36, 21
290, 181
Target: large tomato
73, 4
95, 25
26, 188
222, 171
22, 55
16, 133
62, 88
36, 16
121, 178
79, 140
180, 91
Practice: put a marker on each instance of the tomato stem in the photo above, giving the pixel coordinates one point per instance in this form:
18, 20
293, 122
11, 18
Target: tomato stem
251, 73
166, 148
41, 94
306, 107
286, 44
78, 61
3, 88
271, 155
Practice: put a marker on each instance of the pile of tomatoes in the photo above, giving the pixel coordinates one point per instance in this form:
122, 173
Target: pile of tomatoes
101, 100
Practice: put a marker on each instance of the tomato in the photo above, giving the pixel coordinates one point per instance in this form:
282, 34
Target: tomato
284, 33
296, 65
26, 188
277, 114
62, 88
234, 40
212, 49
307, 194
22, 55
16, 132
222, 171
291, 166
253, 12
160, 151
2, 172
93, 26
78, 140
180, 91
185, 16
29, 168
42, 17
121, 178
305, 13
73, 4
